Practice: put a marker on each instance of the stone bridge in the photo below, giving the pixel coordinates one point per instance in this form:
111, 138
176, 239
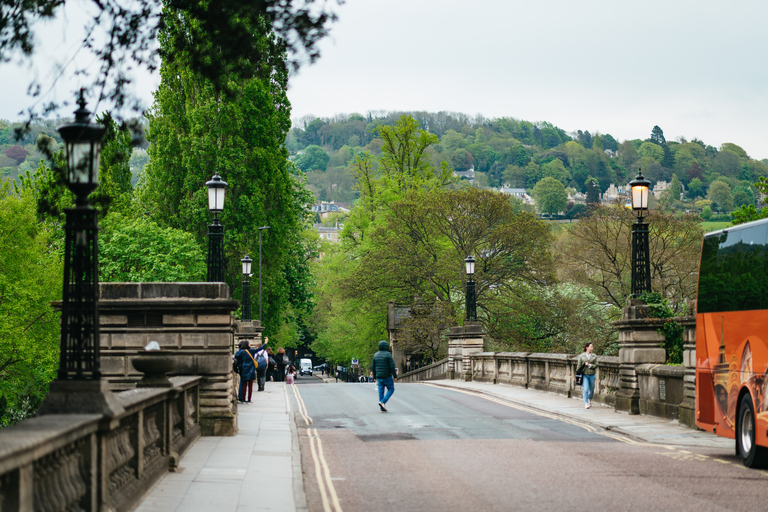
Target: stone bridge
60, 461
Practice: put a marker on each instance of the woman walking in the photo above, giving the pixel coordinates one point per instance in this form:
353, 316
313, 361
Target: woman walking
587, 363
245, 362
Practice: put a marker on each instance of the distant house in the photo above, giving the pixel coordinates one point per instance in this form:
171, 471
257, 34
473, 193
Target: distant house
466, 175
324, 209
615, 192
660, 187
520, 193
329, 233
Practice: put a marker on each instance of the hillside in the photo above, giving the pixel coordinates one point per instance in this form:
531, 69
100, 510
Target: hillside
507, 151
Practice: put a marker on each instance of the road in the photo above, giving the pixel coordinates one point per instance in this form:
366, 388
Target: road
446, 450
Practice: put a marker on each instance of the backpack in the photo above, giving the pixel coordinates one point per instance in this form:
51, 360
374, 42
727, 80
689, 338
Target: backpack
286, 361
261, 361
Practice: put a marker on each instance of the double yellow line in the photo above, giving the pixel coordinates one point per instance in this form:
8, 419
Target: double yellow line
328, 495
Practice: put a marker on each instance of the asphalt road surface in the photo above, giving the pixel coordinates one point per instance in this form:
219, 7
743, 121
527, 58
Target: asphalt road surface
445, 450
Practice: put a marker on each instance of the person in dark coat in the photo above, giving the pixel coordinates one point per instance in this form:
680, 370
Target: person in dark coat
282, 362
384, 372
245, 362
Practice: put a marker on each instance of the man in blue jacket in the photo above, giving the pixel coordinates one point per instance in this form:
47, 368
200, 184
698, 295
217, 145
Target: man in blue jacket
384, 372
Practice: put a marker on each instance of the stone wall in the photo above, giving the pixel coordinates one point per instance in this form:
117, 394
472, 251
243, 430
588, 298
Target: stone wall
662, 389
193, 321
88, 462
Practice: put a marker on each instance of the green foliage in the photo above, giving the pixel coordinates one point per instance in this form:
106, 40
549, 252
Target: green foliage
314, 158
114, 168
555, 318
550, 196
137, 249
658, 307
30, 278
720, 194
195, 129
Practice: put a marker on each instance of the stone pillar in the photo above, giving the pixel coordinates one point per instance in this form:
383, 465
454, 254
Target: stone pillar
192, 321
248, 330
639, 343
687, 409
463, 341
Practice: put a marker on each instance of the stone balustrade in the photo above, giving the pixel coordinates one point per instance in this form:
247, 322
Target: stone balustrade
435, 371
662, 388
89, 462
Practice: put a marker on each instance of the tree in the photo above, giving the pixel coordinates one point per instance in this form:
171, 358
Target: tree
598, 251
195, 129
550, 196
218, 39
313, 158
404, 160
727, 163
137, 249
30, 278
674, 189
657, 136
422, 333
694, 187
720, 194
557, 318
743, 196
593, 191
556, 169
651, 150
114, 165
17, 153
434, 231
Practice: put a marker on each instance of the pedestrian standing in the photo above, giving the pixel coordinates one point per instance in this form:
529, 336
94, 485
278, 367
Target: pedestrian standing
272, 365
247, 366
290, 375
587, 363
262, 360
282, 363
385, 374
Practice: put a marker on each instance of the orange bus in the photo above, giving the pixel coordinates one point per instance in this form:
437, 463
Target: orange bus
732, 338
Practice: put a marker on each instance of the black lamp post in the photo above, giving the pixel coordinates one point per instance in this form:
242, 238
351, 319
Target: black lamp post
260, 230
247, 261
216, 188
469, 262
641, 261
79, 357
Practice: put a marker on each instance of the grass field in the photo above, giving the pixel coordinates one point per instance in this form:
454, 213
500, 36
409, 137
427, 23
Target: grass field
561, 228
714, 226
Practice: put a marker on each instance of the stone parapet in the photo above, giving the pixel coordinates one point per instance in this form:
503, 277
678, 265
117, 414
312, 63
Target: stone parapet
192, 321
463, 342
90, 462
639, 343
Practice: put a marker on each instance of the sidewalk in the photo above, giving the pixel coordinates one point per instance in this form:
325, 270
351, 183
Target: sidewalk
642, 428
258, 469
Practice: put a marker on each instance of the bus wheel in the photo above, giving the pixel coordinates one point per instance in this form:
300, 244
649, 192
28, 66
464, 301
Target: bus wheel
752, 456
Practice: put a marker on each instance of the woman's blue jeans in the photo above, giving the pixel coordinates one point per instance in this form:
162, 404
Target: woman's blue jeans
587, 387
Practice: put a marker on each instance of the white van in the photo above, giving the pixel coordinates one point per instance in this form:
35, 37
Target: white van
305, 366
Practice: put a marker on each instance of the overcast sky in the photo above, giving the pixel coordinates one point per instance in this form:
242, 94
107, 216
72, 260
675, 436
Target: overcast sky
695, 68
